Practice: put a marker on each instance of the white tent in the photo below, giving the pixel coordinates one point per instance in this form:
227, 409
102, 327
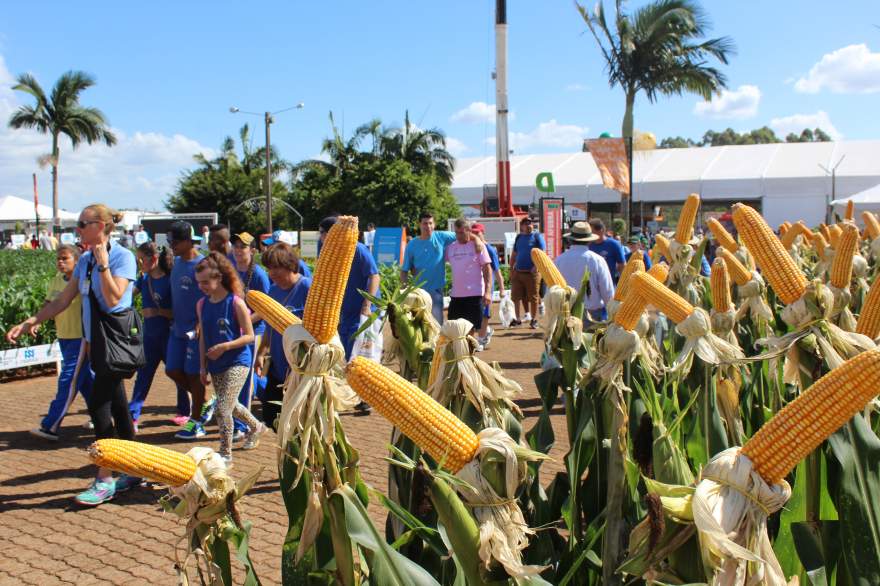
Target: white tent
867, 200
16, 209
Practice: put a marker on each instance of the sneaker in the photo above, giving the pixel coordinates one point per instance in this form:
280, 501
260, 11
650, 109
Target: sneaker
44, 433
192, 430
479, 347
363, 407
516, 322
89, 425
527, 316
253, 437
99, 492
126, 482
134, 422
208, 411
180, 420
541, 309
533, 324
238, 435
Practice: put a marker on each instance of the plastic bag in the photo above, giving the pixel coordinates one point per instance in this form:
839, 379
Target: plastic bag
369, 343
506, 311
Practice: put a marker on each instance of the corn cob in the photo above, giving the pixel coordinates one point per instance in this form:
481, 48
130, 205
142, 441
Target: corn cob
426, 422
869, 319
798, 229
841, 268
802, 425
661, 244
805, 232
547, 269
835, 232
776, 264
850, 211
143, 461
720, 285
633, 265
819, 245
783, 229
825, 232
724, 238
659, 271
684, 231
738, 271
275, 314
630, 311
661, 297
872, 226
321, 314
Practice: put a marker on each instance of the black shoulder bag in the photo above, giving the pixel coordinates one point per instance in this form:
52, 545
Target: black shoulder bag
117, 346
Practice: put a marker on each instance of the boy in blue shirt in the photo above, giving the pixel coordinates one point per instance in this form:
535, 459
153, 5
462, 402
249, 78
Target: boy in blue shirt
524, 278
608, 248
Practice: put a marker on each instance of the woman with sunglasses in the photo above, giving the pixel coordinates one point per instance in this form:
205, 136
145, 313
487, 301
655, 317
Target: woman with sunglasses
109, 271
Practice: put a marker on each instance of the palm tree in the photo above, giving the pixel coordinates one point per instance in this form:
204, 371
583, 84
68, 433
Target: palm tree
250, 159
61, 114
653, 51
425, 150
342, 154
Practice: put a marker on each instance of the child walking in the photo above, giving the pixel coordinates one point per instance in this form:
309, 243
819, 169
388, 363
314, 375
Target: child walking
225, 347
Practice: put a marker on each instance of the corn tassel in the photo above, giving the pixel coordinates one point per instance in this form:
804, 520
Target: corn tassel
869, 319
547, 269
426, 422
633, 265
275, 314
323, 305
842, 267
143, 461
776, 264
802, 425
724, 238
720, 285
684, 231
661, 297
740, 274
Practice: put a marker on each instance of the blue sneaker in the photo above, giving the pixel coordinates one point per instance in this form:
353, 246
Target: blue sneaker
192, 429
126, 482
208, 411
99, 492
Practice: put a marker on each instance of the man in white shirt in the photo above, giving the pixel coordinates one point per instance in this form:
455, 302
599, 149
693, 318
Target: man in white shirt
579, 258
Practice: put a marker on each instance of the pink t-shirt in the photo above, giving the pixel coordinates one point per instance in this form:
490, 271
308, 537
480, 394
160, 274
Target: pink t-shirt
467, 265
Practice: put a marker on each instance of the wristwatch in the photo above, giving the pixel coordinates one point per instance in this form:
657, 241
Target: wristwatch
102, 268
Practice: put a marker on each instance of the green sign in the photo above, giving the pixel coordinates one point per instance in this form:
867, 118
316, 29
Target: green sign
544, 182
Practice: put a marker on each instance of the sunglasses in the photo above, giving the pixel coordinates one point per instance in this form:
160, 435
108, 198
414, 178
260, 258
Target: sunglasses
82, 225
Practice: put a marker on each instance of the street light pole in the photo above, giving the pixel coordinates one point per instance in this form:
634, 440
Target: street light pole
268, 120
833, 173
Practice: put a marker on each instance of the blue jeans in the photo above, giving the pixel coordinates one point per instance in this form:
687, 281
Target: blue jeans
75, 375
253, 384
155, 350
437, 304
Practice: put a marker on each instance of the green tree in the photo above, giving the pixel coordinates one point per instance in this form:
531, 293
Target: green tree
425, 150
676, 142
61, 114
807, 135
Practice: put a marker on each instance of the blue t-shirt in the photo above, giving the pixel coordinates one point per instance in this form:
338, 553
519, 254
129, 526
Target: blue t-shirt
155, 294
122, 263
426, 257
304, 269
705, 269
219, 325
362, 268
294, 299
493, 257
645, 258
523, 245
185, 294
613, 252
259, 281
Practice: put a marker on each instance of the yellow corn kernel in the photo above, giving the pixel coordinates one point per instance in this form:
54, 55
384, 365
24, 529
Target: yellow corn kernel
872, 226
802, 425
721, 234
798, 229
548, 270
143, 461
661, 243
820, 245
275, 314
426, 422
630, 310
719, 282
850, 211
659, 271
633, 265
841, 268
684, 231
825, 232
835, 231
869, 319
774, 261
783, 229
661, 297
321, 313
738, 271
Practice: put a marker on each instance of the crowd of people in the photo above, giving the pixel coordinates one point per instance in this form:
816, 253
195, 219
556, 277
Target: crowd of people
219, 353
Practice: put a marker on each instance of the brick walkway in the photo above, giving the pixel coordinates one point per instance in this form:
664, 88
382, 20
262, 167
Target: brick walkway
51, 540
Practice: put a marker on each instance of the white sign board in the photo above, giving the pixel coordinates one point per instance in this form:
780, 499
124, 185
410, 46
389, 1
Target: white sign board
309, 248
68, 238
30, 356
141, 237
18, 240
287, 236
495, 227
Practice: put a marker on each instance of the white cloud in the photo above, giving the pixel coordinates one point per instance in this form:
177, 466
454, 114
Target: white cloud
475, 113
455, 146
576, 87
797, 122
851, 70
739, 103
140, 171
550, 134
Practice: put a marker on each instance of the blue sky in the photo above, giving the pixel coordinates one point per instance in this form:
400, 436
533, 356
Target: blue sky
168, 72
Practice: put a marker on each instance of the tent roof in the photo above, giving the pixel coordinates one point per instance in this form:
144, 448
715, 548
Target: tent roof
14, 208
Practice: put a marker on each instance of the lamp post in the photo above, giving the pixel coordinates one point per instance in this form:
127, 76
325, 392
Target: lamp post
267, 120
833, 173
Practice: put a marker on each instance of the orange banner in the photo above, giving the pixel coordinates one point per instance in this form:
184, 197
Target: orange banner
610, 157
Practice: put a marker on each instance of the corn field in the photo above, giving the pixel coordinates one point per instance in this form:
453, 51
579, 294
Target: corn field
721, 430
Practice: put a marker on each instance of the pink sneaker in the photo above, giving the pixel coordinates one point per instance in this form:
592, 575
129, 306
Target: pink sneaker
179, 420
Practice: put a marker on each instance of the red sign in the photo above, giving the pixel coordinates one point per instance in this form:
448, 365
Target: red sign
551, 224
610, 157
